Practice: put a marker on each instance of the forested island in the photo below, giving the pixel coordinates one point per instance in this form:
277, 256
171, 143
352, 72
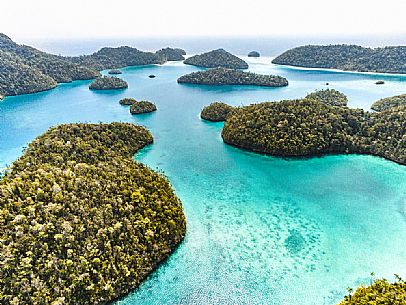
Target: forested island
217, 58
346, 57
140, 107
216, 112
253, 54
108, 83
83, 223
389, 102
170, 54
127, 101
308, 127
224, 76
330, 97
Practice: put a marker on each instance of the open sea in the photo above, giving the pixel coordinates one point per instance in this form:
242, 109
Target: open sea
261, 230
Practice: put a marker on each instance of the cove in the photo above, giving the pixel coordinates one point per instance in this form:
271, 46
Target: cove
261, 230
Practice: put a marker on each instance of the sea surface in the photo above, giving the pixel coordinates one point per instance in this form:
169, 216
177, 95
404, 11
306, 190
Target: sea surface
260, 230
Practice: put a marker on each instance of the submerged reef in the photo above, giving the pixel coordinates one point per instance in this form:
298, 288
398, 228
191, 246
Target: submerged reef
308, 127
83, 223
330, 97
217, 58
142, 107
388, 102
224, 76
216, 112
108, 83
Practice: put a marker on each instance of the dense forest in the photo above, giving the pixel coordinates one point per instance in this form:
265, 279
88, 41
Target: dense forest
346, 57
82, 223
140, 107
108, 83
216, 112
389, 102
330, 97
217, 58
224, 76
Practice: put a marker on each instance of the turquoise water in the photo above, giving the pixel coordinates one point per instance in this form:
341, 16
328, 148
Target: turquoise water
261, 230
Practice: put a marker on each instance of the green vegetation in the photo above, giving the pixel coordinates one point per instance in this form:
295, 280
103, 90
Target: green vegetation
115, 71
169, 54
142, 107
254, 54
224, 76
216, 112
346, 57
309, 127
217, 58
108, 83
380, 292
330, 97
28, 70
128, 101
389, 102
82, 223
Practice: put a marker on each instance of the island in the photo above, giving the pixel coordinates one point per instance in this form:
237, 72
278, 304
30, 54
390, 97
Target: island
142, 107
151, 76
346, 57
388, 102
127, 101
170, 54
115, 71
82, 222
379, 82
224, 76
108, 83
330, 97
217, 58
253, 54
216, 112
308, 127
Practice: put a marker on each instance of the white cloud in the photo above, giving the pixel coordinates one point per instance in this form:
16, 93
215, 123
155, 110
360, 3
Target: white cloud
133, 18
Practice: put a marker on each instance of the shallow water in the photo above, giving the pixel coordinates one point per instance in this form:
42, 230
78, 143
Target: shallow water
261, 230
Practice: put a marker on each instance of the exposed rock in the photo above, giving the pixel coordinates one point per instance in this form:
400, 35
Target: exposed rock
142, 107
108, 83
151, 76
217, 58
380, 82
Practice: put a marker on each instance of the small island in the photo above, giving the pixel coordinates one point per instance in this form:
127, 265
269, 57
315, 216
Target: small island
330, 97
216, 112
379, 82
388, 102
217, 58
115, 71
224, 76
142, 107
170, 54
151, 76
254, 54
307, 127
127, 101
82, 218
108, 83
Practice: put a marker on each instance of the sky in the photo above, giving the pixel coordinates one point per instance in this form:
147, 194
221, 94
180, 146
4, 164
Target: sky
42, 19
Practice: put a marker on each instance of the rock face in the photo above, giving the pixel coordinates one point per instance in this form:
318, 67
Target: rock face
216, 112
308, 127
115, 71
142, 107
82, 219
346, 57
108, 83
28, 70
170, 54
217, 58
128, 101
223, 76
389, 102
330, 97
254, 54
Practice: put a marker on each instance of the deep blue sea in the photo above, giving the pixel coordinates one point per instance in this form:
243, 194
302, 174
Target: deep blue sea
261, 230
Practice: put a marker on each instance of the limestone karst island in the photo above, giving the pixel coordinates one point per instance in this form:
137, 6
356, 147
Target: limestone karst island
151, 154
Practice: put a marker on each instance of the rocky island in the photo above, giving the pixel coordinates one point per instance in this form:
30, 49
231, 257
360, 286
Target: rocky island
388, 102
128, 101
217, 58
330, 97
254, 54
170, 54
142, 107
346, 57
224, 76
83, 223
216, 112
307, 127
108, 83
115, 71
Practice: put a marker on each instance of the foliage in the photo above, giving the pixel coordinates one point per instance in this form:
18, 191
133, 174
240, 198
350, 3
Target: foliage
216, 112
308, 127
81, 222
380, 292
115, 71
386, 103
142, 107
127, 101
346, 57
330, 97
170, 54
217, 58
224, 76
108, 83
